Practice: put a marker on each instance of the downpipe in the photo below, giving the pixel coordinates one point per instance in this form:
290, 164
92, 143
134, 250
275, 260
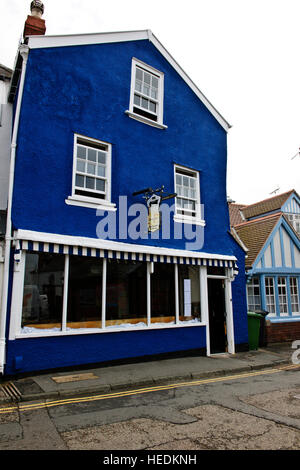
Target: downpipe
24, 50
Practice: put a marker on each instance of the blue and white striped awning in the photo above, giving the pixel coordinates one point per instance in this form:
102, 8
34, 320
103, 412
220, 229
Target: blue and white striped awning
193, 258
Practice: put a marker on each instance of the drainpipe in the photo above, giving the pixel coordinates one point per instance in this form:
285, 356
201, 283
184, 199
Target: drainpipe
23, 50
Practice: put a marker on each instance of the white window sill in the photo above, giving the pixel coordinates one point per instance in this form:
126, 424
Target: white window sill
185, 219
145, 120
92, 203
84, 331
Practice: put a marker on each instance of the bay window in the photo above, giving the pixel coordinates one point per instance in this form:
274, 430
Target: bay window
282, 295
253, 294
294, 295
270, 295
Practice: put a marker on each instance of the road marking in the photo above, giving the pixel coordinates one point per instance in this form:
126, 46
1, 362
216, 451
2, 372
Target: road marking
70, 401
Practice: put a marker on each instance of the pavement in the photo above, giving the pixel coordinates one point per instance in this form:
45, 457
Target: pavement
114, 378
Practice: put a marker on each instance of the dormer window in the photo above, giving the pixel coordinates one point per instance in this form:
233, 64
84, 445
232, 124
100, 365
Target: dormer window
146, 96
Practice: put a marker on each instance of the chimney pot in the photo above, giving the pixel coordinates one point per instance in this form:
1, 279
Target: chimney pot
34, 24
37, 8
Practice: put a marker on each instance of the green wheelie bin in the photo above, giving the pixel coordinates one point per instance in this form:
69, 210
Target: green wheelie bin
254, 320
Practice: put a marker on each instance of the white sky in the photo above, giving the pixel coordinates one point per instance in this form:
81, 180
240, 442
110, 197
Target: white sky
242, 54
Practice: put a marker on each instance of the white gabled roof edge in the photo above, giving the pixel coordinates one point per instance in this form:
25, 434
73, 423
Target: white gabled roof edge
38, 42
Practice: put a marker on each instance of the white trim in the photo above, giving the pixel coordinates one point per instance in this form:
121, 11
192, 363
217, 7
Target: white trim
150, 271
204, 305
229, 316
176, 295
115, 246
23, 51
238, 240
183, 218
81, 331
143, 119
186, 219
37, 42
103, 312
159, 100
17, 297
82, 201
90, 201
65, 293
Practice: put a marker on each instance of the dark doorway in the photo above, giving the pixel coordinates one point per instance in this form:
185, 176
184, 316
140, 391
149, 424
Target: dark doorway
217, 316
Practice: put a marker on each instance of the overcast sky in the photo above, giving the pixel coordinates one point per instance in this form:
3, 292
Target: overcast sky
242, 54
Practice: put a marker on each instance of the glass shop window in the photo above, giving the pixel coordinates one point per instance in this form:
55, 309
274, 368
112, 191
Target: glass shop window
163, 293
43, 291
189, 292
85, 292
126, 293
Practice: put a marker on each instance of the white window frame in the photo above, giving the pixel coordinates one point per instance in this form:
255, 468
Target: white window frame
184, 218
89, 200
294, 295
159, 100
270, 298
282, 296
254, 283
17, 302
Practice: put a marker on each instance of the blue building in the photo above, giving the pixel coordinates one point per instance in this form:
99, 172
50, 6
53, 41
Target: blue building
95, 272
270, 229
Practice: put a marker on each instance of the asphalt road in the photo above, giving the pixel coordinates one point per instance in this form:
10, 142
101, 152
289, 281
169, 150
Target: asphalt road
257, 411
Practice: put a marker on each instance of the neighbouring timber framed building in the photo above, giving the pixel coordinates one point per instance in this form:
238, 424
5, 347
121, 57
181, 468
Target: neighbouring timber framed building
270, 229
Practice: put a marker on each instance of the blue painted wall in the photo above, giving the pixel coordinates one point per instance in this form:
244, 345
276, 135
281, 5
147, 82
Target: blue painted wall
46, 353
86, 90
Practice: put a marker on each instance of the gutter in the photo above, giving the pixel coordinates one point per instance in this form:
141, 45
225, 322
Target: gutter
23, 50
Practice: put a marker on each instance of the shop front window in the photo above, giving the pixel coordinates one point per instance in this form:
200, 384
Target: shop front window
126, 293
62, 293
84, 292
43, 291
163, 294
189, 293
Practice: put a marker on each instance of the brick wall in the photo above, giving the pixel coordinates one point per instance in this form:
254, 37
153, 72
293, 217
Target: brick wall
280, 332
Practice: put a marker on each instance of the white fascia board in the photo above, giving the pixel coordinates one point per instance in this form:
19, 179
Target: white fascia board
37, 42
190, 83
112, 245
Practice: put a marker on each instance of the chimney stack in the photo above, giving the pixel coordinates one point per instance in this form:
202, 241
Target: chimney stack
34, 24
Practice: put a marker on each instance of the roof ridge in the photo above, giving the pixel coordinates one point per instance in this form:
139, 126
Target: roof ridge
269, 198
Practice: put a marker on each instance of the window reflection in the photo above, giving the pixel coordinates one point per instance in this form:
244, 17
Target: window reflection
85, 293
43, 290
189, 292
163, 293
126, 292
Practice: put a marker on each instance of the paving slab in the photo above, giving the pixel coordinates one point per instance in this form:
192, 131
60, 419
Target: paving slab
104, 379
